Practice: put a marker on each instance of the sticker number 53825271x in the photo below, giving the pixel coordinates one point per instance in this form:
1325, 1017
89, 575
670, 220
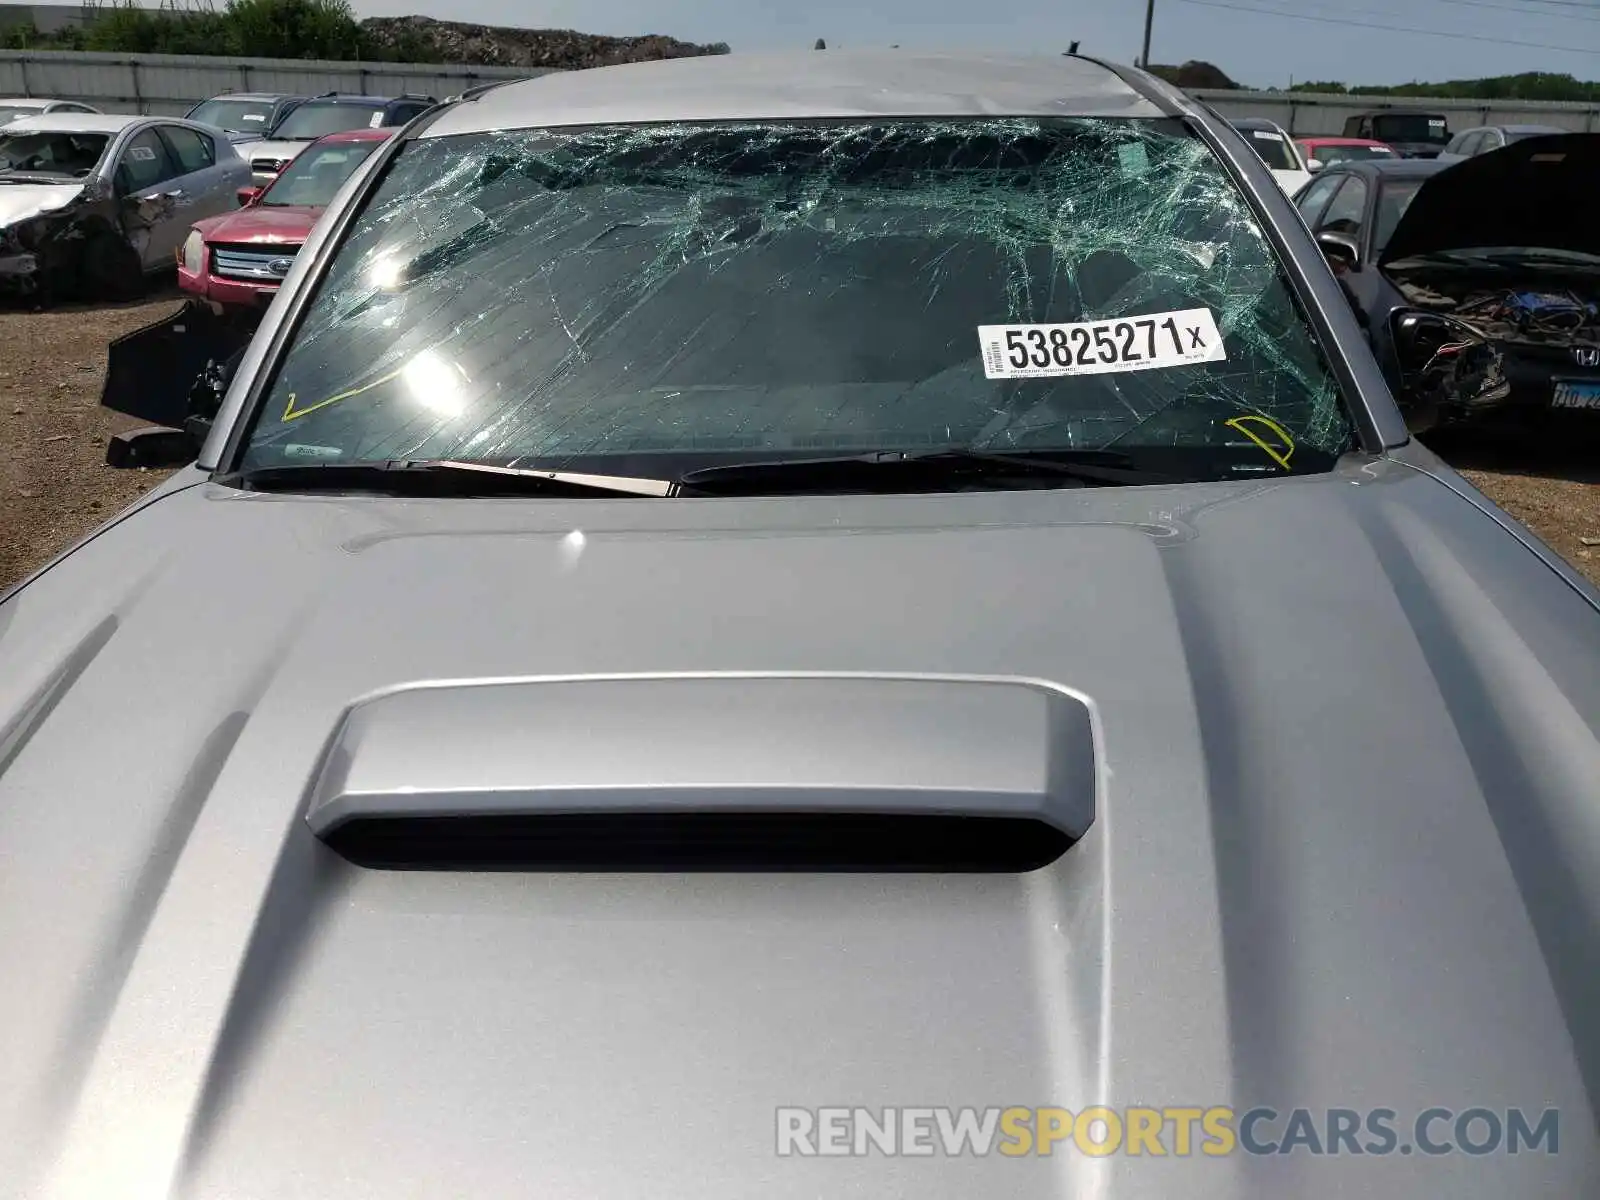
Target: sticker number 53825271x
1170, 339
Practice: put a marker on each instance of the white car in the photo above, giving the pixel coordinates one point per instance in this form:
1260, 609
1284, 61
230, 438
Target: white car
1277, 150
15, 108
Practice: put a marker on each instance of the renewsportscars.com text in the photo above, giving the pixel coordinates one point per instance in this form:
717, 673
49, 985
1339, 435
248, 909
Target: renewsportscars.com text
1213, 1132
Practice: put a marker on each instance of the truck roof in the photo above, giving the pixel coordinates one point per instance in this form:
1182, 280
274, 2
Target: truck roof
816, 85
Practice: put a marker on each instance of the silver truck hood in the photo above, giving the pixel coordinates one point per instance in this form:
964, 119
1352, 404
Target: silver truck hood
1346, 849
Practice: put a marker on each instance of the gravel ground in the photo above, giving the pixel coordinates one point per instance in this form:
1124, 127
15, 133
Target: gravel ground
55, 486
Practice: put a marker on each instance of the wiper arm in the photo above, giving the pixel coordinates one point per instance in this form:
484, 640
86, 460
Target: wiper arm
440, 477
925, 470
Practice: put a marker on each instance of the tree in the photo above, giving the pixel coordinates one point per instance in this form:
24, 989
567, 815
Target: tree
1195, 75
294, 29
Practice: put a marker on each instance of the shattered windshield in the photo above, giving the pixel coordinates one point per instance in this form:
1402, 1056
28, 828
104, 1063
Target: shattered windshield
313, 177
69, 155
235, 116
654, 299
316, 120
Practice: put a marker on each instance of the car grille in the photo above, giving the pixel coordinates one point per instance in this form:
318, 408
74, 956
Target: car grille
252, 262
268, 166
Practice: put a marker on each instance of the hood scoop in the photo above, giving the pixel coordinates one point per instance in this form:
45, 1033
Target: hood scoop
675, 773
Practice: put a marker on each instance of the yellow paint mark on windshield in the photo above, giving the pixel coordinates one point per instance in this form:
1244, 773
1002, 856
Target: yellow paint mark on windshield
291, 412
1277, 455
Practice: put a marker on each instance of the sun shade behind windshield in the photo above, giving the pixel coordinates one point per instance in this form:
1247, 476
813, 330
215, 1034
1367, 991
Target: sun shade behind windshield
704, 292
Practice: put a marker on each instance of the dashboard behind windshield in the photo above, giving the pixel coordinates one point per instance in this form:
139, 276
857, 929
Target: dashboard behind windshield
236, 116
68, 155
653, 299
1273, 148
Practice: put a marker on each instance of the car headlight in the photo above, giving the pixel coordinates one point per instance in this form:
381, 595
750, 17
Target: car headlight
194, 252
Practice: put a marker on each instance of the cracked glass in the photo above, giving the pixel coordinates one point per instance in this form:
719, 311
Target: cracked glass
654, 299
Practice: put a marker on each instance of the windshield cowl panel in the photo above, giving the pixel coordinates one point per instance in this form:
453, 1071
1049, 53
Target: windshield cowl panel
652, 300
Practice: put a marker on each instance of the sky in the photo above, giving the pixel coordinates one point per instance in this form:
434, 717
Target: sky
1264, 43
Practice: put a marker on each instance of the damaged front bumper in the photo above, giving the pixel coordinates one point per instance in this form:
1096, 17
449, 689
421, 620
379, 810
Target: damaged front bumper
157, 373
19, 265
1498, 381
19, 271
1461, 374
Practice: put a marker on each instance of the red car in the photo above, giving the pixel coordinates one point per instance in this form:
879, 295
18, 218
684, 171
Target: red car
1322, 152
238, 261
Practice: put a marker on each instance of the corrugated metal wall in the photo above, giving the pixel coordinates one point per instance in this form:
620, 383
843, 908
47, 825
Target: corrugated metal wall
1305, 113
171, 84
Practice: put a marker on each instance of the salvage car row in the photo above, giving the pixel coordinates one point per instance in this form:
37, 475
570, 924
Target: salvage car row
1473, 266
1476, 280
1382, 136
92, 203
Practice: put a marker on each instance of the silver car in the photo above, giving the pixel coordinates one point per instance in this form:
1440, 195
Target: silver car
94, 202
1470, 143
851, 625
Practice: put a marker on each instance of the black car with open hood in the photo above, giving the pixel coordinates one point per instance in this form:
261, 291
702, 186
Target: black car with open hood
1478, 281
1540, 192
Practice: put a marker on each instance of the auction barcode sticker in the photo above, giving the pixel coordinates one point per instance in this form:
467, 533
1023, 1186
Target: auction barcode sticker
1169, 339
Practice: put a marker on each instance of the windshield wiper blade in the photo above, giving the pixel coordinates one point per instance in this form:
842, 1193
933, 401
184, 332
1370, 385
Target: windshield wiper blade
440, 477
889, 469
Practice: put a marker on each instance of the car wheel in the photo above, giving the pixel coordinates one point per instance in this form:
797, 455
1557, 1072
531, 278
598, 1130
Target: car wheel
111, 267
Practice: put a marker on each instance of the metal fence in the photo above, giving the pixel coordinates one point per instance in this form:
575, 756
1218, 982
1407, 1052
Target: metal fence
171, 84
1306, 114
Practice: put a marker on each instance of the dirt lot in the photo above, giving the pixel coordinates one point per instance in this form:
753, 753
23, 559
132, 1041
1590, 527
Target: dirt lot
55, 486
